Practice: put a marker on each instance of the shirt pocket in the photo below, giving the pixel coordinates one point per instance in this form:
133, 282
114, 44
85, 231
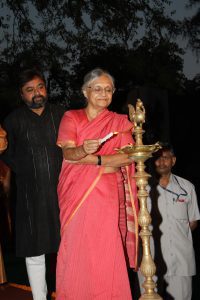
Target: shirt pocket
180, 211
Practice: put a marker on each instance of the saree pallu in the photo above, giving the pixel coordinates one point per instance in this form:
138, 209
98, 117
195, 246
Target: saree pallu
91, 260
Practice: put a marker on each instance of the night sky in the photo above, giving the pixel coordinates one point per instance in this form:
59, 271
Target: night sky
191, 65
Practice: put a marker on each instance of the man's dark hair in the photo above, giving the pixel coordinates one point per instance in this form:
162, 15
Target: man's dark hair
165, 147
28, 74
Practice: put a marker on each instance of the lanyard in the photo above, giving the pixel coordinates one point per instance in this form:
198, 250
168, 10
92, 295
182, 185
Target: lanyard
184, 192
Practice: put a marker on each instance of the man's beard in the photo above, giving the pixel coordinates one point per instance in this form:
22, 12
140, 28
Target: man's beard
37, 102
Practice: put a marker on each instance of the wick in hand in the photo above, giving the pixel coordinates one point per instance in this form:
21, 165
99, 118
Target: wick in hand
107, 137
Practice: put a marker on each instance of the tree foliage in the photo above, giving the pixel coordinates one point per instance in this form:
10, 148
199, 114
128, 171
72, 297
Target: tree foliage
134, 40
191, 27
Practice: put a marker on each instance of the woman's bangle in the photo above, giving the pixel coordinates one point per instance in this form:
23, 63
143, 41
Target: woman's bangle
99, 160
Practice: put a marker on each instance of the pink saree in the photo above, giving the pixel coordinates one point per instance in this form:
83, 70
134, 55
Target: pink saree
97, 224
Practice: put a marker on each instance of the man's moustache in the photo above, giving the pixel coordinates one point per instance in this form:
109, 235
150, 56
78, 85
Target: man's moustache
38, 97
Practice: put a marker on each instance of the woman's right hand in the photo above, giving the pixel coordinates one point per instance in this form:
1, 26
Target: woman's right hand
71, 152
91, 146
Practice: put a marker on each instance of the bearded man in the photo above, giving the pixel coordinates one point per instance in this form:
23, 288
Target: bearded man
35, 159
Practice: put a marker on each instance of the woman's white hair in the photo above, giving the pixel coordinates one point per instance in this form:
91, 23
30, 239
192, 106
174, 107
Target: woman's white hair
94, 74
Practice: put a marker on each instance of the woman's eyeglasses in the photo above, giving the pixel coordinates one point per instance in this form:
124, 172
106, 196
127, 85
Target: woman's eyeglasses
99, 90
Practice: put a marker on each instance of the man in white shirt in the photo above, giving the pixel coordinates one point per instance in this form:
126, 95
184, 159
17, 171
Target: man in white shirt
175, 213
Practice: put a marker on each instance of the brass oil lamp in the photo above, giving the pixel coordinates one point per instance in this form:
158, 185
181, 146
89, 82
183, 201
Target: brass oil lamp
140, 153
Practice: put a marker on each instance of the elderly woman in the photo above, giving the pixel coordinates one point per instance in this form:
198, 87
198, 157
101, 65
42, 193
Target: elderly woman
97, 198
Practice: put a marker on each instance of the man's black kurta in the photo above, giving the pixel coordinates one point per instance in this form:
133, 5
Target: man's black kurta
34, 157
